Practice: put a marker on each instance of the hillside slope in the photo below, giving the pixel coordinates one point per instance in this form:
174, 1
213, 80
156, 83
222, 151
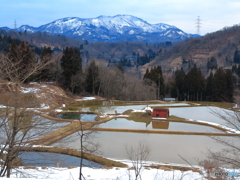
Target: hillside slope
221, 45
34, 95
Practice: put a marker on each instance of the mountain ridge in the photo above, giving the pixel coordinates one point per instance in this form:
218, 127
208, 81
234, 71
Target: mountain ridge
111, 29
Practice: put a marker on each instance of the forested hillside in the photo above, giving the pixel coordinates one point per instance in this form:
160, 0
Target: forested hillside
126, 54
218, 49
203, 69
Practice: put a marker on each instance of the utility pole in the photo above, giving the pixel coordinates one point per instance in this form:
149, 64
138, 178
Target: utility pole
198, 25
15, 24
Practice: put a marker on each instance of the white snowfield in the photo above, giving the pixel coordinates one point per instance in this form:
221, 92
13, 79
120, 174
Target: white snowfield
102, 174
51, 173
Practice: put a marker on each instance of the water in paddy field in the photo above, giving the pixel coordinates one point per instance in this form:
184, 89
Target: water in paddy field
121, 109
157, 125
200, 113
32, 128
75, 116
164, 148
53, 160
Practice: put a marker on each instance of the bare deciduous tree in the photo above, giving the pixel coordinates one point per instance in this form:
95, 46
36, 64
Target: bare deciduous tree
116, 84
86, 134
230, 155
17, 119
137, 154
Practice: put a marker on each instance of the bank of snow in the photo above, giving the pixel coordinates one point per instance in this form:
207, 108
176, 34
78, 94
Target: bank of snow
103, 174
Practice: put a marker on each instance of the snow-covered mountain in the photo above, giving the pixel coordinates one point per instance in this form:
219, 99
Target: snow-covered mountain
111, 29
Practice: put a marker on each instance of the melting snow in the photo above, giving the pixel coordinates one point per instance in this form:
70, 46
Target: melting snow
103, 174
86, 99
230, 130
2, 106
58, 110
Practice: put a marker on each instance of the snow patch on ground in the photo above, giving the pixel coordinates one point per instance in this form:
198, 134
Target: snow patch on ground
44, 106
173, 104
29, 90
143, 110
86, 99
2, 106
159, 118
230, 130
58, 110
103, 174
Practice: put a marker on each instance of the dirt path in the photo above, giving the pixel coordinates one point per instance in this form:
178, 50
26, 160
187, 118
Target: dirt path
163, 132
63, 132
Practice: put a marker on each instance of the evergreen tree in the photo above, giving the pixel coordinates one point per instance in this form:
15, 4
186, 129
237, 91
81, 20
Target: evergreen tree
210, 87
212, 63
92, 79
236, 57
45, 74
155, 74
220, 86
195, 84
71, 65
180, 83
23, 58
234, 69
230, 85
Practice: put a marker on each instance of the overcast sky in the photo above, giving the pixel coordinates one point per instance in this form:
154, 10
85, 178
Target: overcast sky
214, 14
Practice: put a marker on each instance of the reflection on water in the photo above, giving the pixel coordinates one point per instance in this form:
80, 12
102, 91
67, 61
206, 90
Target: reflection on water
121, 109
199, 113
164, 148
160, 124
157, 124
31, 127
53, 160
82, 117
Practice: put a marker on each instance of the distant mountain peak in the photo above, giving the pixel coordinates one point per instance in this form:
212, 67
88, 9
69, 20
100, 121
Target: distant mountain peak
121, 27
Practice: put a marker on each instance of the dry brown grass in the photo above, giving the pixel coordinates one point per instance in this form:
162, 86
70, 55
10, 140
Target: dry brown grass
175, 118
225, 105
29, 167
171, 168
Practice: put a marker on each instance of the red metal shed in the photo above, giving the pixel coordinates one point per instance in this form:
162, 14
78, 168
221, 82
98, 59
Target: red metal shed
160, 113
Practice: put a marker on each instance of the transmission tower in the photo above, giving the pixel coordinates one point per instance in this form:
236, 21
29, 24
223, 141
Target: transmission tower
198, 25
15, 24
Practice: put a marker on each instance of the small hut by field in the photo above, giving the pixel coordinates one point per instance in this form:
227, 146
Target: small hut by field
169, 99
160, 113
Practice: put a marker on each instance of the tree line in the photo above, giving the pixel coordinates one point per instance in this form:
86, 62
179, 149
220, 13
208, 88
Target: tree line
111, 82
193, 86
67, 71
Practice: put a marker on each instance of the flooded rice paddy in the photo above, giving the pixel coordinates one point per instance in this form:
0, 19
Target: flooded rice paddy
157, 125
75, 116
200, 113
53, 160
111, 109
164, 148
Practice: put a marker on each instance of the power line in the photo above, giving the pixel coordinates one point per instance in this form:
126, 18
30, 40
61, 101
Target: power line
198, 25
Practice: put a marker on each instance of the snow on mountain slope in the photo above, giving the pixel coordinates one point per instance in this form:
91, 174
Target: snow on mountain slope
111, 28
